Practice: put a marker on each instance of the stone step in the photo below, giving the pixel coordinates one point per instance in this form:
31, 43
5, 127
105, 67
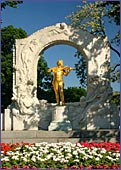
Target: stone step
102, 135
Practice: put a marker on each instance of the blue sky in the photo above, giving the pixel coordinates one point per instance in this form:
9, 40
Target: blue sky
34, 15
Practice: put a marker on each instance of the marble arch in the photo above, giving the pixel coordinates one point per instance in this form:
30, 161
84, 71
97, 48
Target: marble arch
96, 51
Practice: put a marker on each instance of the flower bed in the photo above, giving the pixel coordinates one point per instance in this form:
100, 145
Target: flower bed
81, 155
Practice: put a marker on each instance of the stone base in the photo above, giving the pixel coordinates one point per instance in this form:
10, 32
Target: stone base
17, 122
102, 135
8, 121
63, 126
59, 119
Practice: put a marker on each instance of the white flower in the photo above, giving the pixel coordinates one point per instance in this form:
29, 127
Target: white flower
61, 149
38, 144
27, 146
32, 148
110, 158
94, 148
90, 156
75, 152
49, 156
69, 155
86, 157
117, 154
94, 153
68, 150
82, 152
62, 160
99, 155
76, 160
27, 154
97, 158
117, 158
102, 151
38, 158
65, 161
15, 157
36, 152
114, 159
41, 159
24, 159
17, 152
33, 158
57, 159
78, 145
5, 159
18, 148
10, 153
20, 154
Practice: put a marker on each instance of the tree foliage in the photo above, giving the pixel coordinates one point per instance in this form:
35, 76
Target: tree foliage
10, 3
116, 98
44, 78
71, 94
48, 95
81, 69
92, 17
8, 35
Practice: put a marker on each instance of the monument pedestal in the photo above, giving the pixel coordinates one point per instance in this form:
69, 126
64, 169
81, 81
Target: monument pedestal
60, 119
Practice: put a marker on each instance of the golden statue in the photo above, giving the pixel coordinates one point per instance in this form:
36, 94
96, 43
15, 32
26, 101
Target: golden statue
58, 83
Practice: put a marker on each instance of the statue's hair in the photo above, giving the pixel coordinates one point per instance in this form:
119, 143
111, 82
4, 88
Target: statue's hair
60, 62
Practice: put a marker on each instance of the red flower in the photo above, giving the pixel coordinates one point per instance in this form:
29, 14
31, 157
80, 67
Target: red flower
98, 167
16, 167
25, 143
81, 167
106, 167
6, 147
26, 167
4, 167
89, 167
115, 166
107, 145
74, 167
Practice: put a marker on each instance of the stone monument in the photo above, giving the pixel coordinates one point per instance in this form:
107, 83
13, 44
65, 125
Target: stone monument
95, 111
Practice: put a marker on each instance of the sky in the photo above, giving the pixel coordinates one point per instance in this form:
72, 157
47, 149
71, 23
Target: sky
33, 15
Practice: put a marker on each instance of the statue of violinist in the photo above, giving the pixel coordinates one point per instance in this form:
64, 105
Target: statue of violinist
58, 82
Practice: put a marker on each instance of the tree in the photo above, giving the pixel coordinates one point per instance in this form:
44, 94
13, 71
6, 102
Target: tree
11, 3
44, 78
73, 94
92, 18
48, 95
44, 81
8, 34
116, 99
81, 69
